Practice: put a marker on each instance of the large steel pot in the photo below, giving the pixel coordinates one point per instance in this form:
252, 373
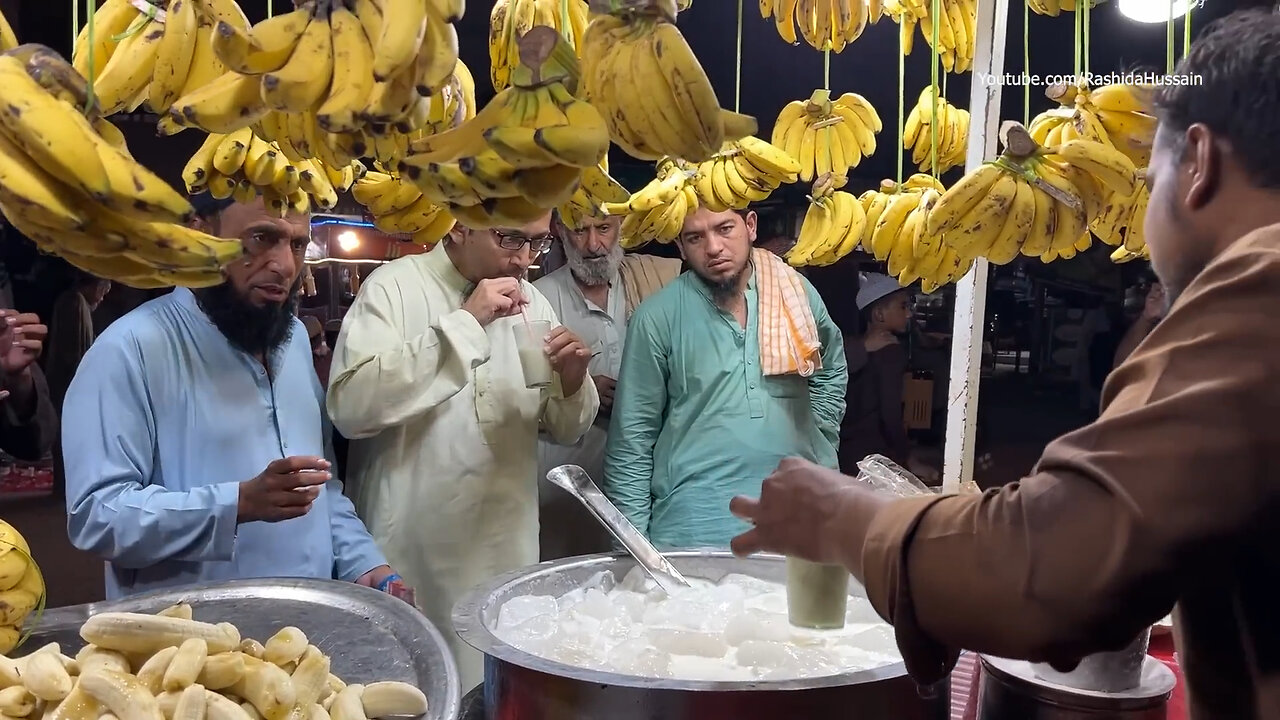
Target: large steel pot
520, 685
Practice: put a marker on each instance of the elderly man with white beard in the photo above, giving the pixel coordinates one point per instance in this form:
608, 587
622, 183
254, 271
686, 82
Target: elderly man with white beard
593, 294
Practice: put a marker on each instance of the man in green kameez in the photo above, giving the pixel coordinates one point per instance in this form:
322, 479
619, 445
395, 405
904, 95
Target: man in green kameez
703, 409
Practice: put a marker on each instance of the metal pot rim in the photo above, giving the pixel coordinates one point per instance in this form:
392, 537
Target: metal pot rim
468, 621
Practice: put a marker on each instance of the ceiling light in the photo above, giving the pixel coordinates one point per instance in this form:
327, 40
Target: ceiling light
348, 241
1155, 11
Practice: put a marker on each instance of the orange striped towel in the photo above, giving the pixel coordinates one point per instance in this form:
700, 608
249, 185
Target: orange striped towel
788, 333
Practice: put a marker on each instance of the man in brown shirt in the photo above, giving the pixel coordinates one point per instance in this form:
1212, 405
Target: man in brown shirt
1171, 496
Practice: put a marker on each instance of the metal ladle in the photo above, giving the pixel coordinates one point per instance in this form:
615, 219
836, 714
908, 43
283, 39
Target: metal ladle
575, 481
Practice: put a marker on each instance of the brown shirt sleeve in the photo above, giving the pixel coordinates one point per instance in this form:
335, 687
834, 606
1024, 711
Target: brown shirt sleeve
1086, 551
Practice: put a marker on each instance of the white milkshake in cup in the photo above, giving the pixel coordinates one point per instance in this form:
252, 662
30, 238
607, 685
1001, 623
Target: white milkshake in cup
531, 344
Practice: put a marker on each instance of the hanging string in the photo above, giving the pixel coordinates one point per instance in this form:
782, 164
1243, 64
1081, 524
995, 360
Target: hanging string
92, 10
902, 97
1088, 7
75, 23
566, 28
1026, 63
270, 8
1168, 41
826, 69
933, 74
737, 80
1186, 30
1078, 32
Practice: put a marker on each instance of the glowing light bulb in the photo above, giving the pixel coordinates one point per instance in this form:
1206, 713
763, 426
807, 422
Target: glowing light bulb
348, 241
1155, 11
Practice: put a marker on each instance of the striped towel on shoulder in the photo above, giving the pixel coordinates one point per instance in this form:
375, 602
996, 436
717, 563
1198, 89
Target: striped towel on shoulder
788, 333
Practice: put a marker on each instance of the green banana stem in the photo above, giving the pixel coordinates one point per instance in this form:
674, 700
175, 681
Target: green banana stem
666, 9
546, 57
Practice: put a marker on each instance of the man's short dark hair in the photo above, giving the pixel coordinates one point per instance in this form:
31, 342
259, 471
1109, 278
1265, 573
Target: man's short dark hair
1234, 89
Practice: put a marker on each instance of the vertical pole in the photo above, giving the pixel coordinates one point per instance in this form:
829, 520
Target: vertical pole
971, 290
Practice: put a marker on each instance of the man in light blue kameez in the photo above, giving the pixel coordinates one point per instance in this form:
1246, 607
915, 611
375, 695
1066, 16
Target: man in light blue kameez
179, 406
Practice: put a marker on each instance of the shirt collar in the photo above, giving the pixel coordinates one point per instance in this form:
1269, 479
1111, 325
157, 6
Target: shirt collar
441, 265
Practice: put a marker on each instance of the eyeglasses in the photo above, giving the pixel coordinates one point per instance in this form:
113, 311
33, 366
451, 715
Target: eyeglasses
516, 241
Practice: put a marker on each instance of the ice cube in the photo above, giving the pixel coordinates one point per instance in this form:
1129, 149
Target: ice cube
537, 635
597, 605
688, 642
762, 654
755, 625
517, 610
751, 585
631, 605
636, 580
860, 610
688, 667
603, 581
774, 603
637, 657
795, 662
878, 638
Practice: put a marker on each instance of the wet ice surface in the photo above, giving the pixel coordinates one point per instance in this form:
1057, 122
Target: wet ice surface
736, 629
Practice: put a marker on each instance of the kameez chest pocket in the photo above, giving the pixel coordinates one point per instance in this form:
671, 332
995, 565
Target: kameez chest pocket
504, 405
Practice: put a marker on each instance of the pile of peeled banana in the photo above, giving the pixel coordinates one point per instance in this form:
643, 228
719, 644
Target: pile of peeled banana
587, 202
21, 591
242, 165
398, 206
168, 665
956, 22
1033, 200
511, 19
745, 171
655, 97
825, 135
657, 210
524, 153
933, 119
68, 182
824, 24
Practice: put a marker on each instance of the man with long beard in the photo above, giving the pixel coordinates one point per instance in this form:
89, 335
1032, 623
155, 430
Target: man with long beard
1169, 500
594, 294
730, 368
194, 434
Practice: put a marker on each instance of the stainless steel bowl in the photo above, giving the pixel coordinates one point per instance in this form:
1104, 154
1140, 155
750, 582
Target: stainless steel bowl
369, 635
518, 684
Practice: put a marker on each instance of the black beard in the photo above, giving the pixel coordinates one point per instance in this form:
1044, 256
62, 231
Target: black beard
722, 291
255, 330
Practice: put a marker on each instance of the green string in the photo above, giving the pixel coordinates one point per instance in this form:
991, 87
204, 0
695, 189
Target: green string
737, 80
826, 69
933, 73
270, 9
1168, 42
565, 26
1186, 30
902, 100
92, 9
1026, 63
75, 23
1088, 6
1076, 41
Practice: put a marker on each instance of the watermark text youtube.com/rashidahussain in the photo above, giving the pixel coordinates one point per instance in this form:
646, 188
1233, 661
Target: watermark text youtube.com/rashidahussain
1091, 79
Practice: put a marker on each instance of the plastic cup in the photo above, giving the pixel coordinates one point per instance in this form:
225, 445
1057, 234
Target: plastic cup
531, 345
817, 595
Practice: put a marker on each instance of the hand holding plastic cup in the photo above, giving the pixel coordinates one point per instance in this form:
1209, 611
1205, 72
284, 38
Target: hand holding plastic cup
531, 344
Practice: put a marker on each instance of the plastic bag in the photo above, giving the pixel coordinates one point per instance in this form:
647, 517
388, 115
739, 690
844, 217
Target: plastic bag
881, 473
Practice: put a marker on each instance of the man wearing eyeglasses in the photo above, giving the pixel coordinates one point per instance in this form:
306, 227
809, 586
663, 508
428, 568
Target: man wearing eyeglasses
427, 383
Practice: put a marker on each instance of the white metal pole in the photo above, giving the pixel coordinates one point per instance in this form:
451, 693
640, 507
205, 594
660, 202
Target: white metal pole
971, 291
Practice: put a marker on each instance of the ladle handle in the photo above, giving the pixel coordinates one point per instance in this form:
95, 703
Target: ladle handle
576, 482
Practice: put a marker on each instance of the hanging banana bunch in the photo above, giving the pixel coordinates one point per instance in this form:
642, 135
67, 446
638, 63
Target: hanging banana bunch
8, 40
832, 226
825, 135
398, 206
639, 71
524, 153
587, 202
330, 80
743, 172
511, 19
957, 36
243, 165
1116, 114
78, 195
824, 24
952, 132
657, 211
1053, 8
896, 233
1032, 200
1123, 219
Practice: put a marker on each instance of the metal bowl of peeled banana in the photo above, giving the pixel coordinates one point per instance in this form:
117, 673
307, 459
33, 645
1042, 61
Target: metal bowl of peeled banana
263, 649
